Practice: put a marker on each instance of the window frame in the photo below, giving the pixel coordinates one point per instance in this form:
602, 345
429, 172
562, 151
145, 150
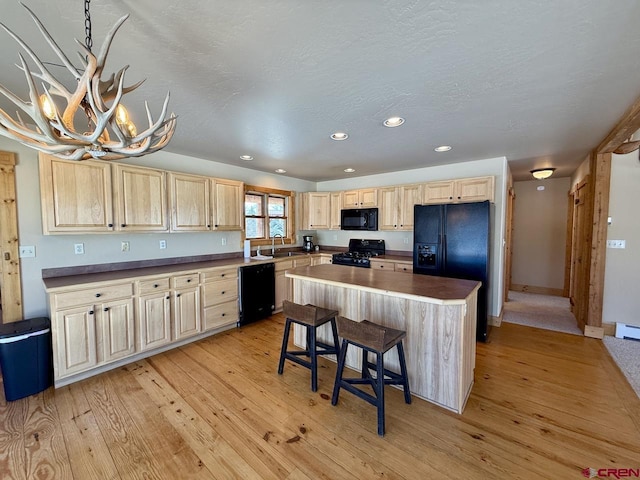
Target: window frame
289, 216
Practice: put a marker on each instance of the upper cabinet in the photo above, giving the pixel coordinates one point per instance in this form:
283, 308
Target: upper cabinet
228, 204
141, 199
335, 217
396, 206
189, 196
363, 198
463, 190
76, 196
316, 209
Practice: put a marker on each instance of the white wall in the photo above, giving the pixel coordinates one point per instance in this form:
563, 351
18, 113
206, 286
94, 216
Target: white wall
621, 300
57, 250
540, 232
403, 241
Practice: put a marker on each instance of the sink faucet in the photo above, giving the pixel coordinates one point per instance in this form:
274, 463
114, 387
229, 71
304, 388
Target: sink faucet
273, 243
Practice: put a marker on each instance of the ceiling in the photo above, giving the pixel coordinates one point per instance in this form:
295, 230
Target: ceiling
538, 82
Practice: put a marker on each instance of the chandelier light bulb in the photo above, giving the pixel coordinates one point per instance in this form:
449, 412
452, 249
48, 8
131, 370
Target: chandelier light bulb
48, 108
122, 116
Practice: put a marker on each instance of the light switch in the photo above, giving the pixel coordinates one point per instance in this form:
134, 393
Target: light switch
616, 244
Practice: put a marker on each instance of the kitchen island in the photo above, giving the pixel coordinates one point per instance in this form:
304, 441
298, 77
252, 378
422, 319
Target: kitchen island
438, 314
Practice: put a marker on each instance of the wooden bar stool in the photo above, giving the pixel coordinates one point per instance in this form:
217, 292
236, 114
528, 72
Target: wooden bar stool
376, 339
310, 317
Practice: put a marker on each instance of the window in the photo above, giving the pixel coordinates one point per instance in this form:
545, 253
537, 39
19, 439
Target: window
267, 213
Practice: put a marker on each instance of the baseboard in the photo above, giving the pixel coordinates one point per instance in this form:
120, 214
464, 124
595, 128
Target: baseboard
495, 321
609, 329
593, 332
556, 292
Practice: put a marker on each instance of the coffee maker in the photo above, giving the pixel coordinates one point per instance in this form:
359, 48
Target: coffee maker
307, 243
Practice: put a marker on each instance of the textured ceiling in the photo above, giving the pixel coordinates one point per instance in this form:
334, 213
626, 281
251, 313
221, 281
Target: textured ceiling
539, 82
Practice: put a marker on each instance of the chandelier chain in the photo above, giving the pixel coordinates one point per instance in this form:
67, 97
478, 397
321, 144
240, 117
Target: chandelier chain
88, 41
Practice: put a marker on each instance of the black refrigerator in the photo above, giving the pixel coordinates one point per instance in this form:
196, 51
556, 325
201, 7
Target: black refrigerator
452, 240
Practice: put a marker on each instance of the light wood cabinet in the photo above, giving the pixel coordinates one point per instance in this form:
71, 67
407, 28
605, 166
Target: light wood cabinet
363, 198
228, 204
335, 202
75, 196
404, 267
140, 197
392, 266
476, 189
186, 306
189, 197
321, 259
396, 206
219, 297
281, 282
316, 210
153, 315
74, 340
115, 330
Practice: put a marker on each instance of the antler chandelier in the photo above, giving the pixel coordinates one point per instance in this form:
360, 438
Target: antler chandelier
110, 134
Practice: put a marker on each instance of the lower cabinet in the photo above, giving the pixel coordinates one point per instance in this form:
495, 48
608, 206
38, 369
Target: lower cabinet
281, 282
153, 315
219, 297
74, 340
115, 330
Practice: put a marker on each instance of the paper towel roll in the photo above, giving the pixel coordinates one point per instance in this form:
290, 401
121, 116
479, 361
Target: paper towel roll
247, 248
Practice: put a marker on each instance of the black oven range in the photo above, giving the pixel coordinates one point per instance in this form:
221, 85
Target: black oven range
360, 251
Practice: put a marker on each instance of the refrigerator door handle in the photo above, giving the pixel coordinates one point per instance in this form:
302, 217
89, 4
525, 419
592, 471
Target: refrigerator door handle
443, 253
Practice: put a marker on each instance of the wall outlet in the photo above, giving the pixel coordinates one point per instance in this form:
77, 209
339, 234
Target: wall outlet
406, 240
27, 251
78, 248
616, 244
163, 244
124, 246
224, 240
335, 237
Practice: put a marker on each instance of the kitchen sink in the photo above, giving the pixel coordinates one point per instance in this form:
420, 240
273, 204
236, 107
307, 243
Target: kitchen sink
289, 254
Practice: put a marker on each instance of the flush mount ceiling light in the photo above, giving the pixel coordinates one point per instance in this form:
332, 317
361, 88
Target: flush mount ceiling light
542, 173
280, 170
339, 136
393, 122
443, 148
248, 158
349, 170
108, 133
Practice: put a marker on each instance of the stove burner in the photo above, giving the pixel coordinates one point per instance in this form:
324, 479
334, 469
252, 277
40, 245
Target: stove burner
360, 251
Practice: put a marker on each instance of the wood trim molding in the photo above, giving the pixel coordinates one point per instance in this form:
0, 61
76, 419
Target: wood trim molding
627, 126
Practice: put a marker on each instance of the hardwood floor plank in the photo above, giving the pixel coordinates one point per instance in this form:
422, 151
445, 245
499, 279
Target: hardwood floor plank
89, 454
12, 449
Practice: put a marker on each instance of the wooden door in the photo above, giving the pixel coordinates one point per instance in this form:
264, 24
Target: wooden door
368, 197
350, 199
115, 330
580, 253
388, 218
189, 198
438, 192
508, 248
10, 287
228, 205
74, 343
318, 210
186, 313
335, 203
474, 189
154, 320
409, 196
141, 199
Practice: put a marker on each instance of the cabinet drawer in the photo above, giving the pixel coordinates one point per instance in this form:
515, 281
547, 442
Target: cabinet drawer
151, 286
383, 265
219, 274
302, 262
93, 295
404, 267
220, 315
219, 292
284, 265
182, 281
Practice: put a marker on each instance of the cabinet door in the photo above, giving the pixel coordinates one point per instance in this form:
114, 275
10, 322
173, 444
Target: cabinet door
409, 196
388, 218
335, 202
383, 265
281, 290
141, 199
186, 313
475, 189
74, 341
189, 197
368, 197
115, 331
75, 196
318, 207
228, 205
439, 192
153, 319
350, 199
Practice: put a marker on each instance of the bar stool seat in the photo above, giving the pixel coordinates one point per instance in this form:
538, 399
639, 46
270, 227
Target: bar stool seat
377, 339
311, 317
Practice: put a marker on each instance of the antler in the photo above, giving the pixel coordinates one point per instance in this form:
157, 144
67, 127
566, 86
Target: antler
97, 98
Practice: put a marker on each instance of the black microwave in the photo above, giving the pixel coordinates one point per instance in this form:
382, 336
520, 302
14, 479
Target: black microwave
359, 219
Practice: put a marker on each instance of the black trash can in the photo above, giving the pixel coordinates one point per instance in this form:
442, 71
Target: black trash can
25, 357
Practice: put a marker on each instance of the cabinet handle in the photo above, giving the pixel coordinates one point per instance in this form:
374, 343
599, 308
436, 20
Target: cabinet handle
223, 314
208, 226
167, 298
123, 225
216, 225
90, 312
450, 198
106, 309
155, 285
188, 280
223, 275
98, 295
177, 294
381, 266
110, 225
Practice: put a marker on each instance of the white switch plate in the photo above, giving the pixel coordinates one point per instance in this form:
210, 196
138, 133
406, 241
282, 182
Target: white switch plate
163, 244
616, 244
124, 246
78, 248
27, 251
406, 240
224, 241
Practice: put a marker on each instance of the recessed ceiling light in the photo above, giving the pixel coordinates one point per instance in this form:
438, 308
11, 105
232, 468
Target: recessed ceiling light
349, 170
443, 148
339, 136
393, 122
246, 157
280, 170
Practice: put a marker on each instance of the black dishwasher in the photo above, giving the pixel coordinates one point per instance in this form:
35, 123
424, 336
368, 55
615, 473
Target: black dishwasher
257, 292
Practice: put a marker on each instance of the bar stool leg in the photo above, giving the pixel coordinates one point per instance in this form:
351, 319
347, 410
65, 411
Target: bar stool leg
403, 372
336, 341
314, 359
341, 359
285, 343
380, 391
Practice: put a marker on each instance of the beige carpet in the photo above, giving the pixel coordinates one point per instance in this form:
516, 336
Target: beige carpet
626, 354
541, 311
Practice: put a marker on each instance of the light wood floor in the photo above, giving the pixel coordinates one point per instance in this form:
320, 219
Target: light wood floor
545, 405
